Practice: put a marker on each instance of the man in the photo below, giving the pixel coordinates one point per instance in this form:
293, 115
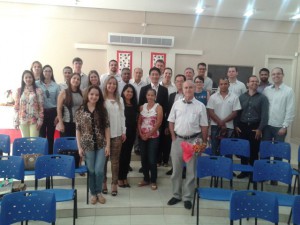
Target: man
264, 75
179, 79
222, 108
189, 73
113, 71
160, 64
208, 83
251, 120
137, 81
77, 65
236, 86
185, 128
125, 77
166, 82
282, 107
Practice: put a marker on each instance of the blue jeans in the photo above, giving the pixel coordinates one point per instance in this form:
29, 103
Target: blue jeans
149, 150
95, 161
215, 142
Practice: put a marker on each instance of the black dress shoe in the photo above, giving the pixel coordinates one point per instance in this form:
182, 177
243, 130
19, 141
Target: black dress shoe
187, 204
129, 168
274, 182
169, 172
173, 201
242, 175
141, 170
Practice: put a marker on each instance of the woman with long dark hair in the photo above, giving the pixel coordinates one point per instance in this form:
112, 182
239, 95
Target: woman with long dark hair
131, 114
29, 111
69, 100
93, 139
36, 69
50, 91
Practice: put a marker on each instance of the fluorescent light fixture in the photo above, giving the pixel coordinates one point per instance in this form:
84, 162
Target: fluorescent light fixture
295, 17
249, 13
199, 10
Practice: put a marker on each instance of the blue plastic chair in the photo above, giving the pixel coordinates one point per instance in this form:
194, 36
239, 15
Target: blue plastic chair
28, 205
4, 144
219, 168
11, 167
70, 143
296, 172
265, 170
48, 166
30, 145
238, 147
275, 149
253, 204
296, 210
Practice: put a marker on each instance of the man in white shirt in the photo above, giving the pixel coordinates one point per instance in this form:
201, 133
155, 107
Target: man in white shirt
236, 86
188, 129
137, 81
281, 109
160, 64
208, 83
113, 71
77, 65
189, 73
166, 82
222, 108
125, 75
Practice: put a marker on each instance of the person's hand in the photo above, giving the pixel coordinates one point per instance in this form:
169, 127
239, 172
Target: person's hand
167, 132
173, 137
61, 127
56, 121
258, 134
107, 151
81, 152
123, 137
144, 137
282, 131
238, 131
221, 123
38, 126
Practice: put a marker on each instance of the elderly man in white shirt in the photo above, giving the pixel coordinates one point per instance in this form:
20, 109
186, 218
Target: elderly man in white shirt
237, 87
187, 122
137, 81
282, 107
113, 71
222, 108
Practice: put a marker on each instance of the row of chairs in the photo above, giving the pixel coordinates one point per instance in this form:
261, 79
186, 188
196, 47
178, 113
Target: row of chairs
38, 145
46, 167
220, 168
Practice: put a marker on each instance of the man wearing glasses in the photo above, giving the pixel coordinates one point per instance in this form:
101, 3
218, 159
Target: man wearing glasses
208, 83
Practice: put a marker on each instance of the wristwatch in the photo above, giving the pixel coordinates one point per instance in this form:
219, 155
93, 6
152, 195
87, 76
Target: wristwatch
285, 127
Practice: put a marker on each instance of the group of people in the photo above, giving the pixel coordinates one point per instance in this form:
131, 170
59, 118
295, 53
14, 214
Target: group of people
111, 113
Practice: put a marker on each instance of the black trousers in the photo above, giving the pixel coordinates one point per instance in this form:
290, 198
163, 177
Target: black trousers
48, 128
70, 130
248, 134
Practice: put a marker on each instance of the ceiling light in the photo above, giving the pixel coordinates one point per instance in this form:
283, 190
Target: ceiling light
295, 17
249, 13
199, 10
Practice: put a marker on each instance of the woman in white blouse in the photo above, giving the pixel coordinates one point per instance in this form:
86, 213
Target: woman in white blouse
115, 108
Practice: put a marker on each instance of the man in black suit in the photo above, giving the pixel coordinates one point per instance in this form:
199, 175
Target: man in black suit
161, 98
179, 79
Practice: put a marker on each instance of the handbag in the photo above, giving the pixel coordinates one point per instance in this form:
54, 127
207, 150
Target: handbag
29, 161
73, 153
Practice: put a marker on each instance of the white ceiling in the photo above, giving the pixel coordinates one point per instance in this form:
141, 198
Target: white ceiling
264, 9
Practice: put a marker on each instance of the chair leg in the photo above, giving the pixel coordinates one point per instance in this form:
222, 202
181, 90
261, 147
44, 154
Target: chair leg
75, 212
231, 222
255, 221
194, 201
87, 187
198, 209
290, 216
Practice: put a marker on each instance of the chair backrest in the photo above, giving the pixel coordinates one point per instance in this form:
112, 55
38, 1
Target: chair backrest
235, 146
55, 165
28, 205
12, 167
296, 210
30, 145
216, 166
64, 143
277, 149
264, 170
255, 204
4, 144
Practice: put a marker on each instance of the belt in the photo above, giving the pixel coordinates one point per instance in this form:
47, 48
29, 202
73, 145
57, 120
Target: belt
188, 137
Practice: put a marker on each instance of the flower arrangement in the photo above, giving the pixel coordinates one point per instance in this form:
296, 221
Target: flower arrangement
190, 149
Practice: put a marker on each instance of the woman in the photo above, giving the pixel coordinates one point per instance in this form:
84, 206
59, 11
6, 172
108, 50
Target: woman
115, 108
50, 91
131, 113
36, 69
67, 72
150, 119
94, 78
29, 111
200, 94
93, 139
69, 100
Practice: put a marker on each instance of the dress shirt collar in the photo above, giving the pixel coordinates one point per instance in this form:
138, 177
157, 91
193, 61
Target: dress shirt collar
155, 87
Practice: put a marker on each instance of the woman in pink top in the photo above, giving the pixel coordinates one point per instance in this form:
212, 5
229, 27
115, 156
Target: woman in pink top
29, 109
150, 119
